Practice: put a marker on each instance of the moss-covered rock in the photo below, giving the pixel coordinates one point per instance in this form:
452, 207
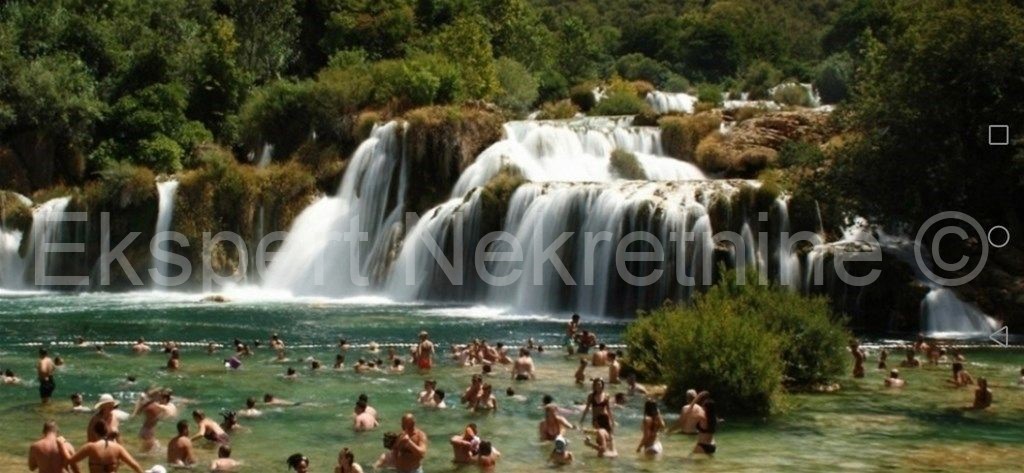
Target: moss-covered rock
625, 165
496, 194
680, 135
560, 110
14, 214
441, 142
754, 144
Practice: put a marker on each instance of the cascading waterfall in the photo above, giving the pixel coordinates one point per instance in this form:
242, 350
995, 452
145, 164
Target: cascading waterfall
47, 227
665, 102
324, 253
166, 191
945, 315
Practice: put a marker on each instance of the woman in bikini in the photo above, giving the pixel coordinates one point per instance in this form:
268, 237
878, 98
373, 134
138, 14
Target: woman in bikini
487, 401
652, 425
604, 443
598, 401
706, 427
104, 455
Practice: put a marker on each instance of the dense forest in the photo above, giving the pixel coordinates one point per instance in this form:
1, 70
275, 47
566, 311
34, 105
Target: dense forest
87, 87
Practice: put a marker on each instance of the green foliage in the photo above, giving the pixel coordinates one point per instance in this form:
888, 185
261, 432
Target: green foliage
559, 110
626, 166
758, 78
381, 28
265, 32
582, 95
277, 113
636, 66
834, 78
466, 42
742, 342
518, 87
680, 135
710, 93
621, 98
800, 154
793, 95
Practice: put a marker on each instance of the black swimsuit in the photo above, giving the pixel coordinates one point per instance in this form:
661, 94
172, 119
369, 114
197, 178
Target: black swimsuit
709, 448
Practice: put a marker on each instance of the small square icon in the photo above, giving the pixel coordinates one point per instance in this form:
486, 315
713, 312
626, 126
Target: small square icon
999, 135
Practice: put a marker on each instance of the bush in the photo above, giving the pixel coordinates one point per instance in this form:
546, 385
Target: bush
636, 66
676, 83
621, 98
161, 154
710, 94
279, 113
582, 96
799, 153
680, 135
625, 165
518, 87
794, 95
833, 78
559, 110
758, 78
743, 343
711, 154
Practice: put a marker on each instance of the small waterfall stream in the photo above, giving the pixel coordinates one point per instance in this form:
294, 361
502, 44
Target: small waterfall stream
166, 191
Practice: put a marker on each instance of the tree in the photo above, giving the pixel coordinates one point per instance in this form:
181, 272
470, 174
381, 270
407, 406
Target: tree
266, 32
468, 44
518, 88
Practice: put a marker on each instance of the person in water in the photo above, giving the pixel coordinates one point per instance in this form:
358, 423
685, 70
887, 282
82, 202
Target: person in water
614, 367
982, 395
77, 406
364, 421
651, 426
581, 372
207, 429
571, 333
104, 454
911, 361
487, 401
858, 359
104, 415
423, 355
180, 451
426, 396
250, 410
706, 426
298, 462
560, 454
603, 443
894, 380
961, 377
44, 373
689, 416
554, 425
140, 347
486, 458
270, 400
411, 447
599, 402
883, 355
224, 463
347, 462
51, 452
153, 410
523, 369
387, 459
465, 446
174, 362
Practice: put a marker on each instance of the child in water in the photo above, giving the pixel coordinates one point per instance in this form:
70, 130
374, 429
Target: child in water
561, 455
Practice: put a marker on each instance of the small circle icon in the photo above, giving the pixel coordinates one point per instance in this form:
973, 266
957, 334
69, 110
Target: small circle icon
992, 242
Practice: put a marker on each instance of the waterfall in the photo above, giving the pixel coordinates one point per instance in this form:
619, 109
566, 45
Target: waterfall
12, 268
47, 227
165, 216
324, 253
573, 151
944, 315
665, 102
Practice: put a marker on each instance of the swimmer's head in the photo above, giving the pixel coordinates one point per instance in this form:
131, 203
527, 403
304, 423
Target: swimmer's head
198, 415
363, 397
439, 395
894, 374
360, 407
42, 353
691, 394
547, 399
620, 398
224, 451
268, 397
575, 317
484, 449
49, 427
510, 392
487, 368
298, 462
250, 403
389, 440
183, 427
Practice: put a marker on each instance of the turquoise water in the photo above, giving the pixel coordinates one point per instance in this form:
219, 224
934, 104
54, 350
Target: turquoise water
863, 427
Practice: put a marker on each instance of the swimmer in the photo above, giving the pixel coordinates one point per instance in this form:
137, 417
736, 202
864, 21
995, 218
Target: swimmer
511, 393
486, 401
882, 357
278, 346
961, 377
76, 404
600, 357
270, 400
224, 463
230, 423
894, 380
174, 362
179, 450
560, 454
571, 333
426, 396
707, 426
104, 415
464, 446
211, 348
604, 443
9, 378
250, 410
858, 359
50, 453
373, 412
487, 457
140, 347
373, 347
598, 401
581, 372
153, 411
689, 416
554, 425
104, 454
363, 421
298, 462
523, 370
423, 354
361, 367
387, 459
396, 366
290, 374
410, 447
613, 369
45, 368
347, 462
652, 424
982, 395
438, 401
208, 429
911, 361
472, 393
634, 387
339, 362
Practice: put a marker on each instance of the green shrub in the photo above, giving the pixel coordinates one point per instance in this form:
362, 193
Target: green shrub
799, 153
710, 94
675, 83
621, 98
518, 87
794, 95
280, 113
16, 215
582, 96
636, 66
758, 78
161, 154
625, 165
834, 77
743, 342
680, 135
559, 110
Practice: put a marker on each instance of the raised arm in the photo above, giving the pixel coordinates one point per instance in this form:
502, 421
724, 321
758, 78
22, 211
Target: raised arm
127, 459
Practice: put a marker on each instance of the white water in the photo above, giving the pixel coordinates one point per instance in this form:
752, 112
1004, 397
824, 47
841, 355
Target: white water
324, 254
944, 315
46, 228
573, 151
12, 269
166, 191
665, 102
